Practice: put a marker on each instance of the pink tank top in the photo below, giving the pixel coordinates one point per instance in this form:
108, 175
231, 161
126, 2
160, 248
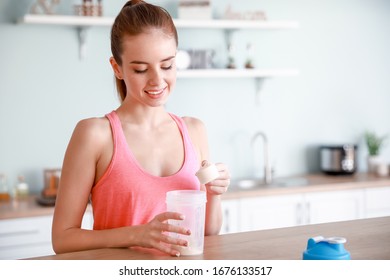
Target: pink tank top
128, 195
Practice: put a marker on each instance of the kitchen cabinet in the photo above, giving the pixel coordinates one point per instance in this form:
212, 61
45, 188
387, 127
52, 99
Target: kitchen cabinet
230, 213
30, 237
25, 237
377, 202
266, 212
270, 212
81, 23
333, 206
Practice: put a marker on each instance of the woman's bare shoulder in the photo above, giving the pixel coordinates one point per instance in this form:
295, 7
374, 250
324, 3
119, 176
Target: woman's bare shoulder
92, 129
194, 124
93, 124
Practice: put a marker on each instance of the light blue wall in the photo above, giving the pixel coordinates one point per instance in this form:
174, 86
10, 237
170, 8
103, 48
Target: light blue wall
342, 50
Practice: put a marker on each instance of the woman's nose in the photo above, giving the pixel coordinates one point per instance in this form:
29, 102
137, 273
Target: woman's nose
155, 77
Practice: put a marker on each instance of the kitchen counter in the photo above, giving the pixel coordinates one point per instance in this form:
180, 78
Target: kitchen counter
21, 208
311, 183
26, 207
367, 239
305, 183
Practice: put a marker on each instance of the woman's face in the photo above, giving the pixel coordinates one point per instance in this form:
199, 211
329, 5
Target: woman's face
148, 67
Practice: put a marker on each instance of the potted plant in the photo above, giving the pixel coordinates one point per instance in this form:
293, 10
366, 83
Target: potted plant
374, 145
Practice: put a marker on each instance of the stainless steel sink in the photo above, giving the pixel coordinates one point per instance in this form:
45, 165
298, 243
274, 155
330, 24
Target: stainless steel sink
254, 183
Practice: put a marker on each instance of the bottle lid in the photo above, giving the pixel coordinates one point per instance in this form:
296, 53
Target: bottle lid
207, 173
321, 248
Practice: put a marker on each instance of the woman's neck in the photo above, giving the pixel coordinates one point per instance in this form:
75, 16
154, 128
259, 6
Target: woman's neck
148, 117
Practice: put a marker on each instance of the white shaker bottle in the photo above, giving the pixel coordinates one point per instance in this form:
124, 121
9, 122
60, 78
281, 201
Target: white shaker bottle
191, 204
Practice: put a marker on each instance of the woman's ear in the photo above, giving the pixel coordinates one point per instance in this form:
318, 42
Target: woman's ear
116, 68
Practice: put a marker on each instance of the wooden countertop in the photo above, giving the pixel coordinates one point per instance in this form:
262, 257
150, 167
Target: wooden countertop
367, 239
22, 208
26, 207
313, 183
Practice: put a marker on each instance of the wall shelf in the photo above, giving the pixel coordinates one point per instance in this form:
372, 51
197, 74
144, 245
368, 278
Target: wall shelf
82, 21
237, 73
65, 20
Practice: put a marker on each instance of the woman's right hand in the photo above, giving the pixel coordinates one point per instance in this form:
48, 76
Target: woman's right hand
154, 234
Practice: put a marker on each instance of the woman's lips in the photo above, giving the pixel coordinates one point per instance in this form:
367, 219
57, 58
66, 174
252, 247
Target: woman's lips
155, 93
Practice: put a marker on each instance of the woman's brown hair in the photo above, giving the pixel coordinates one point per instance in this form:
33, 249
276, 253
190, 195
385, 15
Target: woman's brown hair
133, 19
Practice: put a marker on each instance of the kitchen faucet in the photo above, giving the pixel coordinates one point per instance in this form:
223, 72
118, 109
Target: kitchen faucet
267, 167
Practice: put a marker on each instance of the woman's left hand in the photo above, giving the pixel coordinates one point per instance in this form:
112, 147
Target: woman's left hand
221, 184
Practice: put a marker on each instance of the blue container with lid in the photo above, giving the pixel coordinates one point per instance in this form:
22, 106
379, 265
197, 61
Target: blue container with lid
321, 248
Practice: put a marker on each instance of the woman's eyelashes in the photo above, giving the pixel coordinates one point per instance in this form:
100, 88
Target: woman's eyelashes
141, 71
167, 67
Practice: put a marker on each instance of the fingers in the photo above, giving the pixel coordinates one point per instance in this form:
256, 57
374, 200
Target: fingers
160, 223
176, 229
159, 235
170, 246
217, 190
168, 250
174, 241
169, 216
224, 174
222, 168
221, 184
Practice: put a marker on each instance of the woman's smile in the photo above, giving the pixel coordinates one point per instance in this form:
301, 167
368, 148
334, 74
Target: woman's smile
155, 93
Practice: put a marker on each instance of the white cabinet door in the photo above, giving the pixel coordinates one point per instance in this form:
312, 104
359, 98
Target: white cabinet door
333, 206
266, 212
25, 237
230, 213
30, 237
377, 202
270, 212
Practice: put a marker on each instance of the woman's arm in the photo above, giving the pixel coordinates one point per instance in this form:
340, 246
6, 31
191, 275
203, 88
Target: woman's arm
214, 188
77, 178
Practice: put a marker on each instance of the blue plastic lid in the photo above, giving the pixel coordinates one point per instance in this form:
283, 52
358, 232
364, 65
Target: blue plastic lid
321, 248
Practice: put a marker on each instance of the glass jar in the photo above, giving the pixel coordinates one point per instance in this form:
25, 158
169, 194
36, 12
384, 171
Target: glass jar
21, 188
51, 178
4, 190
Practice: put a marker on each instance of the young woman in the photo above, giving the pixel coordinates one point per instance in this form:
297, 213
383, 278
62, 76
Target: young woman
126, 161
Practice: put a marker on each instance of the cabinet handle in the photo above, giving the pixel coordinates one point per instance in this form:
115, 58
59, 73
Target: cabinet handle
308, 213
22, 232
227, 229
299, 213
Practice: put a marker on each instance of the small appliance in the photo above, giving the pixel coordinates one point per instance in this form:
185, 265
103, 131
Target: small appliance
338, 159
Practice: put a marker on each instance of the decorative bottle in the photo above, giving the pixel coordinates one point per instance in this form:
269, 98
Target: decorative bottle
4, 191
21, 188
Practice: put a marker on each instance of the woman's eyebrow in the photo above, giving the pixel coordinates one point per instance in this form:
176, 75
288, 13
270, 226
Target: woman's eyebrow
142, 62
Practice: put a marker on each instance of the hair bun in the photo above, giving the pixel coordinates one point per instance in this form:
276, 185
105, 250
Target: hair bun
132, 2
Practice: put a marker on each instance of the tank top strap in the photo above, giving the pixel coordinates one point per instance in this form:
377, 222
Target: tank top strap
181, 124
115, 126
117, 133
